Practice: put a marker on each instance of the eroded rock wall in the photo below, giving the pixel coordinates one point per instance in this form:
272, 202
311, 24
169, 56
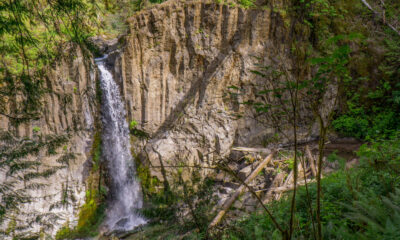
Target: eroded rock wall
67, 113
175, 69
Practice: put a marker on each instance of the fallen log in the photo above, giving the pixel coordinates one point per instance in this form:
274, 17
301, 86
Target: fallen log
276, 147
247, 149
229, 202
290, 187
276, 182
287, 181
312, 161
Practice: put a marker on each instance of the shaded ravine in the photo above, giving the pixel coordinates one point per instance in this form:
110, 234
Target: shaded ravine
125, 189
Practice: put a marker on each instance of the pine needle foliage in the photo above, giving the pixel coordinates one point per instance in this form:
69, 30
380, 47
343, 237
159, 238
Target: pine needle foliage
20, 163
32, 36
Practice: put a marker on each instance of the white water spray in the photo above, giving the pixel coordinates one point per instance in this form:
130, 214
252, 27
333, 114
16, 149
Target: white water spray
127, 199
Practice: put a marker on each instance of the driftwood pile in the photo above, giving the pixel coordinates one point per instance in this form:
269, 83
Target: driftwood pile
306, 171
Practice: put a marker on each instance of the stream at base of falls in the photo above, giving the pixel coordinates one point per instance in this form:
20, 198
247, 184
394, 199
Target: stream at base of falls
122, 212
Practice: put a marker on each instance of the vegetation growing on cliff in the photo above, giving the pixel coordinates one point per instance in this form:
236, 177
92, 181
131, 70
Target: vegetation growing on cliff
354, 203
372, 106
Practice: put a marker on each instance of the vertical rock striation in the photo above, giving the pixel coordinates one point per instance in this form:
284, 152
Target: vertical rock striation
175, 69
67, 115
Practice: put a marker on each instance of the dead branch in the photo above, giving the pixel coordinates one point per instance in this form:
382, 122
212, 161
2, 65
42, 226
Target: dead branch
276, 182
247, 149
228, 203
312, 161
383, 17
287, 181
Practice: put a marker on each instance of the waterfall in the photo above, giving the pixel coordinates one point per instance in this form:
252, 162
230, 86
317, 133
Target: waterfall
125, 189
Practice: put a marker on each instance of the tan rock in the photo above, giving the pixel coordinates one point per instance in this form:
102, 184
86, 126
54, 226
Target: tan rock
68, 108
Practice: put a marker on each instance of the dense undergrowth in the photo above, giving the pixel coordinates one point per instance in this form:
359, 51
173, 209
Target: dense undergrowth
359, 203
372, 106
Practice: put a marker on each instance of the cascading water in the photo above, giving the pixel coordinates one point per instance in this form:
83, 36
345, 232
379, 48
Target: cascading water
122, 214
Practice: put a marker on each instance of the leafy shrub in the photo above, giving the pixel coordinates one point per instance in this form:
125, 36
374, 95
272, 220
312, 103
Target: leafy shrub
132, 124
137, 132
36, 129
351, 126
384, 124
246, 3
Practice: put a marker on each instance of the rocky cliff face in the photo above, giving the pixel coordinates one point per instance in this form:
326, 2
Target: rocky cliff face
58, 144
175, 69
176, 65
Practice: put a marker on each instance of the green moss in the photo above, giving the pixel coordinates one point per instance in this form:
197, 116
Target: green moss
149, 183
96, 151
283, 13
93, 211
65, 232
92, 214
